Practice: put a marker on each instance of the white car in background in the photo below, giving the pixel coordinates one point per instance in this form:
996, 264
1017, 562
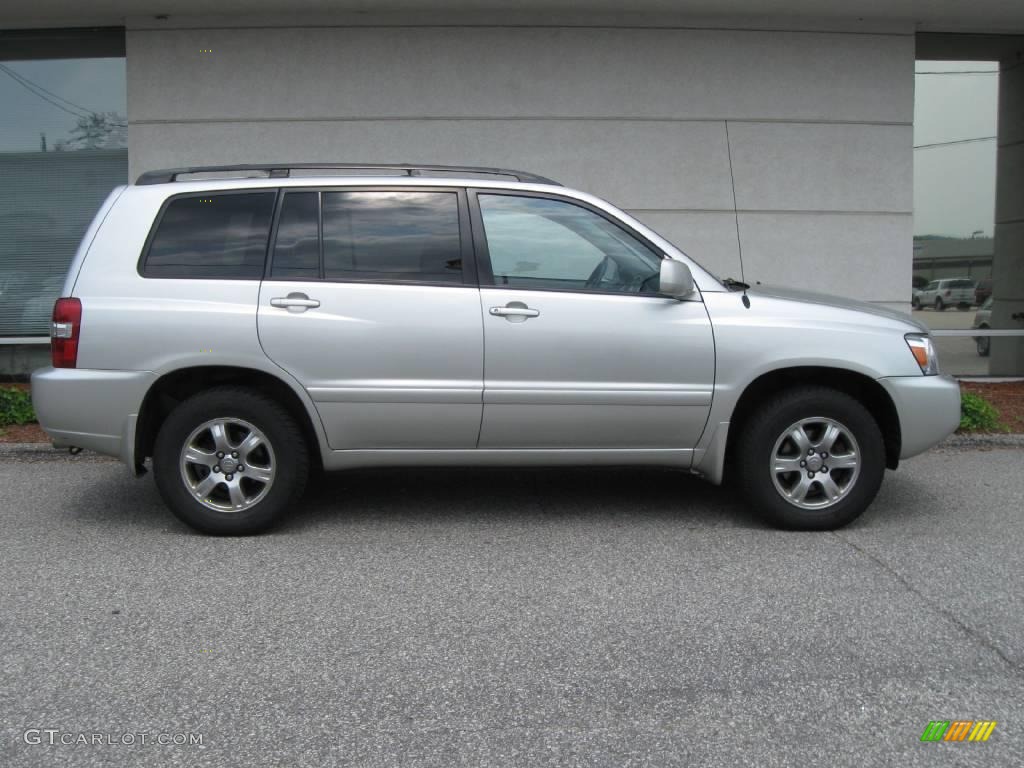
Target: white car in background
954, 291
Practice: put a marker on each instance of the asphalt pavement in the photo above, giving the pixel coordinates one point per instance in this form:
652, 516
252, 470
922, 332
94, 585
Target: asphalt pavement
619, 617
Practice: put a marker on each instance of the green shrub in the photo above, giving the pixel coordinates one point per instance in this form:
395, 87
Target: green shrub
977, 413
15, 407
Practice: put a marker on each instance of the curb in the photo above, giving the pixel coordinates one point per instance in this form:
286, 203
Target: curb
970, 441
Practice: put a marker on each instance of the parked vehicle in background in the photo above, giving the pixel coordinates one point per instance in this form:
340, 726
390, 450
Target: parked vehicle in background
983, 319
915, 298
239, 331
951, 292
983, 291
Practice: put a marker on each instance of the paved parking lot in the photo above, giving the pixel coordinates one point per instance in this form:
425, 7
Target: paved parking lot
513, 618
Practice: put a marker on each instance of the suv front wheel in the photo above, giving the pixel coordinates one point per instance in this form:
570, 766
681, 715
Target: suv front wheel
811, 459
230, 461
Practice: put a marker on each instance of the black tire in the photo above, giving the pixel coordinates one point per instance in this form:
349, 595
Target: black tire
290, 460
915, 303
984, 344
939, 306
756, 443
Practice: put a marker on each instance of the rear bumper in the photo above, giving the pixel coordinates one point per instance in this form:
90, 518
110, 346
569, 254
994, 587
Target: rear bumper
91, 409
928, 408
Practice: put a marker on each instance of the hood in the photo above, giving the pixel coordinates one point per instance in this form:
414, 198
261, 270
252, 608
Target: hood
840, 302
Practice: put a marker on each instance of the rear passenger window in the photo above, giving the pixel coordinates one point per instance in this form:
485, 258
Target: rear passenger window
297, 247
392, 236
218, 235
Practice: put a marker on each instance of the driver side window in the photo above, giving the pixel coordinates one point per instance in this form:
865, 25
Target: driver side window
548, 244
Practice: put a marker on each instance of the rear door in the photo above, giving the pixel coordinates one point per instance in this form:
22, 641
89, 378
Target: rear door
370, 301
581, 351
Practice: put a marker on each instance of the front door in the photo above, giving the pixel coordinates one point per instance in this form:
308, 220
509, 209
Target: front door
368, 304
580, 350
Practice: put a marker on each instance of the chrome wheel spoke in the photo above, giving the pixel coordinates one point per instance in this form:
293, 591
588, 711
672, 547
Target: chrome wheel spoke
829, 487
259, 474
195, 455
218, 430
206, 485
799, 491
846, 461
784, 464
799, 436
250, 444
238, 499
832, 433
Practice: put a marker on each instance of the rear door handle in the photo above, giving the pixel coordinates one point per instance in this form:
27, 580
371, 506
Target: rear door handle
294, 302
515, 309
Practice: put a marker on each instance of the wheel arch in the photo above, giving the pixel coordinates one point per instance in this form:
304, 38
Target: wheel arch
178, 385
862, 388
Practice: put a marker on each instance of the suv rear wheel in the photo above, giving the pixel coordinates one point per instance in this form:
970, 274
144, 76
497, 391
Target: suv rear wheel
230, 461
811, 459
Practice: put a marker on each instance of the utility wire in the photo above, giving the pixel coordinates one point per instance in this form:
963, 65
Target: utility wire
955, 141
38, 90
34, 92
960, 72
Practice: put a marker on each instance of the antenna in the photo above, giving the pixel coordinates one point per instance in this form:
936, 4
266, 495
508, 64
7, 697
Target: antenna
736, 215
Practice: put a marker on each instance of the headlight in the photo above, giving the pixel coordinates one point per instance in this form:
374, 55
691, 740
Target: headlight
924, 352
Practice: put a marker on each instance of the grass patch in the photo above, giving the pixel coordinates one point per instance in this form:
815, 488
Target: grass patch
15, 407
978, 415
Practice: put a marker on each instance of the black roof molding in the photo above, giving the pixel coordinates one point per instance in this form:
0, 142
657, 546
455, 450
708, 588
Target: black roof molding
283, 171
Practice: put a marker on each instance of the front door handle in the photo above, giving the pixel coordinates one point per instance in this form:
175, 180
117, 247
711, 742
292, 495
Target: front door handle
515, 312
294, 302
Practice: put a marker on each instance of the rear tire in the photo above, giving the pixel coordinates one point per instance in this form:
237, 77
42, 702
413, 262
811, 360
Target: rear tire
768, 459
984, 344
264, 456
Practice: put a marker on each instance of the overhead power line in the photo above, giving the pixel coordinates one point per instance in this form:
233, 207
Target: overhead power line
955, 141
43, 93
960, 72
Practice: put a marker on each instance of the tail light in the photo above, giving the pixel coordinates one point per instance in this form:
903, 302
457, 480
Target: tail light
67, 324
948, 293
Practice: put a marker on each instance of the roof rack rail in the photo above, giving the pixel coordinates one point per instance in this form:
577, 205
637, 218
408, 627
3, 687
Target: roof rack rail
283, 171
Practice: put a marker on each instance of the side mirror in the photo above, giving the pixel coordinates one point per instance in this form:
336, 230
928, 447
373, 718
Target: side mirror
675, 279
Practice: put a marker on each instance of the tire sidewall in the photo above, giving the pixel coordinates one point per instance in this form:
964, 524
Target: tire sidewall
289, 455
756, 459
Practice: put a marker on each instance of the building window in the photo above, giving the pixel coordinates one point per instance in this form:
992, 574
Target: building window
63, 148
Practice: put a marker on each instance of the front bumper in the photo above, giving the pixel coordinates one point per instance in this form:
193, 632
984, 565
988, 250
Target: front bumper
928, 408
90, 408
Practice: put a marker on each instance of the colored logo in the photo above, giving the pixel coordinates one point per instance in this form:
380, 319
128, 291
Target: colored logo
958, 730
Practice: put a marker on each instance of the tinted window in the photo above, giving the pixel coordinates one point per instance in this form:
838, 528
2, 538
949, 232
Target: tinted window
960, 284
394, 236
539, 243
212, 236
297, 246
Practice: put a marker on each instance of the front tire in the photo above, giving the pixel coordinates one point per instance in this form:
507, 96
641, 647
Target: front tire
230, 461
810, 459
939, 306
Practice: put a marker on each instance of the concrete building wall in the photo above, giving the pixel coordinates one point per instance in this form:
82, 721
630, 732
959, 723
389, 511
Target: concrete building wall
1008, 263
807, 133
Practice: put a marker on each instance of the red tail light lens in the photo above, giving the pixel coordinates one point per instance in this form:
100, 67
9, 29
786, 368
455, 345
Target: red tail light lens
67, 324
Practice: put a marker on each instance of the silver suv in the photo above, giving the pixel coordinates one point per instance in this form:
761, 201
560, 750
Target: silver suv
953, 292
241, 326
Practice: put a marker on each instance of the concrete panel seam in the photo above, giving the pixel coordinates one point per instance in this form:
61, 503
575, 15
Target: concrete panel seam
515, 118
651, 27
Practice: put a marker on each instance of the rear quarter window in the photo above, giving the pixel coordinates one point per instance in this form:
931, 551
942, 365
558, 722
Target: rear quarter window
210, 236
